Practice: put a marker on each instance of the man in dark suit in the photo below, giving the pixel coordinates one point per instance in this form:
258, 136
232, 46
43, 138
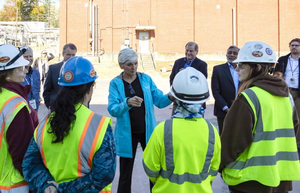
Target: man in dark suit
224, 85
289, 67
51, 87
191, 60
191, 51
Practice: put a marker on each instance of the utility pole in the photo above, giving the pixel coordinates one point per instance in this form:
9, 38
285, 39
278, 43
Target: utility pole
49, 9
38, 8
17, 14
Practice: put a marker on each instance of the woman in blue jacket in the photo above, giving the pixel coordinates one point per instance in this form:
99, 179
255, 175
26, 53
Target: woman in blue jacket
131, 98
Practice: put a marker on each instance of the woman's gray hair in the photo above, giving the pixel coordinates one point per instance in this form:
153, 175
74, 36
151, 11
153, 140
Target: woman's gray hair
127, 56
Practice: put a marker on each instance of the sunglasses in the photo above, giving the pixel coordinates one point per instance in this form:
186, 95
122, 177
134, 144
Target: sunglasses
131, 90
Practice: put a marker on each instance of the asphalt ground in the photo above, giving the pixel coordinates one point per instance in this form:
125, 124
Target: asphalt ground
140, 182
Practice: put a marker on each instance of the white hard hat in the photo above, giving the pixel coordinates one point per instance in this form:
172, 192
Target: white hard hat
256, 52
12, 57
190, 86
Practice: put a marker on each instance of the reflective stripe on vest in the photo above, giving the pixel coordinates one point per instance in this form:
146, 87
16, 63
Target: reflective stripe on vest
106, 189
87, 144
186, 177
39, 135
10, 105
261, 135
272, 156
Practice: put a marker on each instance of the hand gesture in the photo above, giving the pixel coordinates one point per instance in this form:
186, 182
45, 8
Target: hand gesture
135, 101
51, 189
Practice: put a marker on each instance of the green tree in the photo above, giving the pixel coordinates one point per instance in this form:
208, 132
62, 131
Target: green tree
26, 7
46, 12
37, 13
30, 10
9, 12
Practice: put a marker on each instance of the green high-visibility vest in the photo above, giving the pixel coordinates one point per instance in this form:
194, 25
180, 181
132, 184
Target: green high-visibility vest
72, 159
183, 155
10, 104
272, 157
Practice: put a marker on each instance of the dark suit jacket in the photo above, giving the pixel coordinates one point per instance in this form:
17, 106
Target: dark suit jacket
179, 64
51, 87
223, 88
281, 66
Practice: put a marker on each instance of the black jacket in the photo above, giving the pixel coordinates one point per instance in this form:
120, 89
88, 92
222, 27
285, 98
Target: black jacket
179, 64
281, 66
51, 87
223, 89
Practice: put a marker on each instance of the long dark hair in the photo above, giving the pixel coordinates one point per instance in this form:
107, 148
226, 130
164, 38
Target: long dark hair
63, 110
256, 73
3, 76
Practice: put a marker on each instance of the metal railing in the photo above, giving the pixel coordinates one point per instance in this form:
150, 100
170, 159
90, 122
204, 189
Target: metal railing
151, 53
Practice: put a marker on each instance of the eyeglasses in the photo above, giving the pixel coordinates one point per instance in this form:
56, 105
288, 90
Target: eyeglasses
131, 89
21, 69
294, 45
241, 65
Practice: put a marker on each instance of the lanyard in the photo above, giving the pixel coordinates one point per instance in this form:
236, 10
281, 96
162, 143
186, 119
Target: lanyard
290, 63
31, 82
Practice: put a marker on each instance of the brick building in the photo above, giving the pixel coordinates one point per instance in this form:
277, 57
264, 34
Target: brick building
165, 26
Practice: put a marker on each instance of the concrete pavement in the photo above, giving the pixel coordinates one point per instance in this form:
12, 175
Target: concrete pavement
140, 182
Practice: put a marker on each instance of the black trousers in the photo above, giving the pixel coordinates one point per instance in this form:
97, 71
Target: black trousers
126, 164
234, 191
220, 124
237, 191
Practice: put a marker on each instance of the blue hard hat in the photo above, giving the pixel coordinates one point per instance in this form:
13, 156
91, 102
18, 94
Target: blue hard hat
77, 71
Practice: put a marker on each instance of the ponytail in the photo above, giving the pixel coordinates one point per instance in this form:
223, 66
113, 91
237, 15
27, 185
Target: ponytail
63, 110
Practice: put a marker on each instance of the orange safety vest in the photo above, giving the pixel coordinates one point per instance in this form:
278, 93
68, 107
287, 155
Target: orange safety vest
72, 159
10, 104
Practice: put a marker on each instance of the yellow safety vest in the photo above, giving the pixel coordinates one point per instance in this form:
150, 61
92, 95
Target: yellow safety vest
10, 104
272, 157
183, 155
73, 158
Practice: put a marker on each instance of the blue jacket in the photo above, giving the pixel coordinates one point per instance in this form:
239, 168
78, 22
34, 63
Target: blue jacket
104, 166
33, 79
117, 107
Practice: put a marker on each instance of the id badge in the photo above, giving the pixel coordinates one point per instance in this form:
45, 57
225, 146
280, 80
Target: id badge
32, 103
293, 81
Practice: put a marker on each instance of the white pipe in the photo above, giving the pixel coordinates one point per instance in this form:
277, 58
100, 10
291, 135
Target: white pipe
233, 26
93, 30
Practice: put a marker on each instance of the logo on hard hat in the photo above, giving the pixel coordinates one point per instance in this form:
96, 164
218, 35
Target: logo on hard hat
194, 79
269, 51
4, 59
257, 54
258, 46
68, 76
92, 73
